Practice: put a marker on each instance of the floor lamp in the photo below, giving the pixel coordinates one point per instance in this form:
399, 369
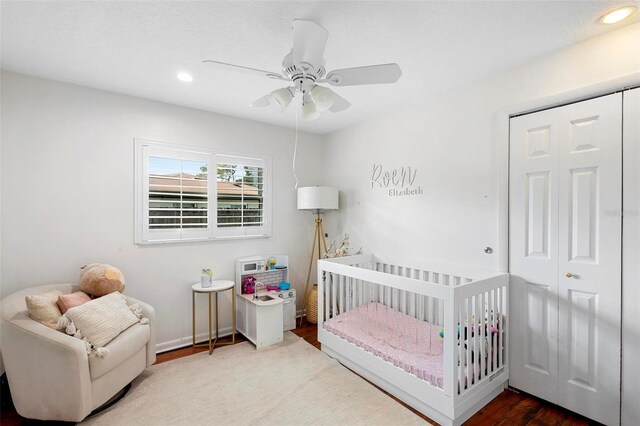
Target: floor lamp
317, 199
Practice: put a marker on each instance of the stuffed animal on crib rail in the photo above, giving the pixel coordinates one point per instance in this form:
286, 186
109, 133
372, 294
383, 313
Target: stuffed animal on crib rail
486, 338
490, 317
489, 331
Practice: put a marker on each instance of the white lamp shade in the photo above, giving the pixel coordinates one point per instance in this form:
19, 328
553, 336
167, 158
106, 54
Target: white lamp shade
317, 198
309, 111
322, 97
282, 97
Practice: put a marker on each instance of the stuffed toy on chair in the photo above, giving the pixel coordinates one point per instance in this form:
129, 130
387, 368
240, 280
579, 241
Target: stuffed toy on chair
98, 279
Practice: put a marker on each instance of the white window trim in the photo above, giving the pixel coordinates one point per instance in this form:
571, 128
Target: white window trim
212, 233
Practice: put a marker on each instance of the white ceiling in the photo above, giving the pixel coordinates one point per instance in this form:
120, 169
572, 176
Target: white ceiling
137, 48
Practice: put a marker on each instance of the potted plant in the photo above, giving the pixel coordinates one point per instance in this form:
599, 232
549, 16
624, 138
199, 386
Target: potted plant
206, 279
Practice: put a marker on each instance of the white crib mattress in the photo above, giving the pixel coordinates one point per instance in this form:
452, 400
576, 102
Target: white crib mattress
411, 344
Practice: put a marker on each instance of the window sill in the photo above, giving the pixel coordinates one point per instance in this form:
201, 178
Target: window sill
201, 240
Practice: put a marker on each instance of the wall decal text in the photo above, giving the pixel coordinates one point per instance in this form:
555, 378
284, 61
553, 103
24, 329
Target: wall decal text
399, 181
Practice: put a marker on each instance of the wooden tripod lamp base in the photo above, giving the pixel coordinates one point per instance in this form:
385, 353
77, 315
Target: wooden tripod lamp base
317, 199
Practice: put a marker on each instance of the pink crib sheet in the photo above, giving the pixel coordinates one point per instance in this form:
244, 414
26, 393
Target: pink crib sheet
408, 343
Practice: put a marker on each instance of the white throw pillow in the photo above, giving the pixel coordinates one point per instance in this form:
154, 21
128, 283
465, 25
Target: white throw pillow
101, 320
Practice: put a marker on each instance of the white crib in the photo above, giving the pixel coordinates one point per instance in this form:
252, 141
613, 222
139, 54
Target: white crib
434, 335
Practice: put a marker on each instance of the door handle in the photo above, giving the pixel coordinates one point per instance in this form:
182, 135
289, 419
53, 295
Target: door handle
569, 275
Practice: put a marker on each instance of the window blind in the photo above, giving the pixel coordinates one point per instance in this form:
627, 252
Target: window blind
240, 194
178, 193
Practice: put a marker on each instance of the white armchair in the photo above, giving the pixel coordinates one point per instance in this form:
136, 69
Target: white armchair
50, 375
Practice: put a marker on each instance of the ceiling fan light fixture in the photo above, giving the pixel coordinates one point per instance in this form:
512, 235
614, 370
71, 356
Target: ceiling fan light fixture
282, 97
322, 97
617, 15
305, 68
309, 111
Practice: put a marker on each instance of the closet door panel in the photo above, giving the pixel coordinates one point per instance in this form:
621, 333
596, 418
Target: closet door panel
533, 254
631, 260
590, 228
565, 255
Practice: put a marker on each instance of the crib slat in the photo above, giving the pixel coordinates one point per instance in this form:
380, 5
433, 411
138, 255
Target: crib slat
494, 359
404, 306
395, 298
342, 296
483, 334
498, 347
425, 300
500, 328
345, 299
347, 293
334, 295
472, 340
491, 343
469, 342
461, 354
354, 293
477, 328
327, 295
417, 313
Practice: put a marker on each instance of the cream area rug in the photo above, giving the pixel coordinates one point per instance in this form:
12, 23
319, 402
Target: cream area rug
292, 383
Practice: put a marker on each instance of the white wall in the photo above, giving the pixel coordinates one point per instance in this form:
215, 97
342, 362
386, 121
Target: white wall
68, 193
457, 142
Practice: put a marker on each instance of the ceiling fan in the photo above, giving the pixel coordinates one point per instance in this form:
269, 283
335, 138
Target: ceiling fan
304, 66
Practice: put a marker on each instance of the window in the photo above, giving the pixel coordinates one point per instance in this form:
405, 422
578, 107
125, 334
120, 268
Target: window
183, 194
240, 194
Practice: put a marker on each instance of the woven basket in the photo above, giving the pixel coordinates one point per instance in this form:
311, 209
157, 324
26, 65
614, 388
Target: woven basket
312, 305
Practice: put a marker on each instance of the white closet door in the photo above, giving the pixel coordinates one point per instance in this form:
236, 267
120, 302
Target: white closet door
590, 257
533, 252
565, 190
631, 261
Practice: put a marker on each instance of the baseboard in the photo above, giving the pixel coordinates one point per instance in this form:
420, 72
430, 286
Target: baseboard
201, 337
188, 340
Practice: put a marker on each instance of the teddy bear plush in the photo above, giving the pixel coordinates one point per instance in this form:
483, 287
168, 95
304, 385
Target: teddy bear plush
98, 279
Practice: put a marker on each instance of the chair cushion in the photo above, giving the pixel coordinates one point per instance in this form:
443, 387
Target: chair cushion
120, 349
43, 308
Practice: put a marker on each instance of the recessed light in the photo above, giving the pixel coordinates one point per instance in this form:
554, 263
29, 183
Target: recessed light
618, 14
183, 76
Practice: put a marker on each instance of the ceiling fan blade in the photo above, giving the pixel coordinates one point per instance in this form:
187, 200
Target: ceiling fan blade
264, 101
372, 74
240, 68
339, 103
309, 41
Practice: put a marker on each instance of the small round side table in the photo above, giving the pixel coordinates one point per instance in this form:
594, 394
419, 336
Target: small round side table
216, 287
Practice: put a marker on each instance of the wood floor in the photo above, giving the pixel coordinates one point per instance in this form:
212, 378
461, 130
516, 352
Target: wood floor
509, 408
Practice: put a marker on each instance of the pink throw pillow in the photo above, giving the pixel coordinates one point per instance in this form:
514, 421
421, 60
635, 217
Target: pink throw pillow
68, 301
